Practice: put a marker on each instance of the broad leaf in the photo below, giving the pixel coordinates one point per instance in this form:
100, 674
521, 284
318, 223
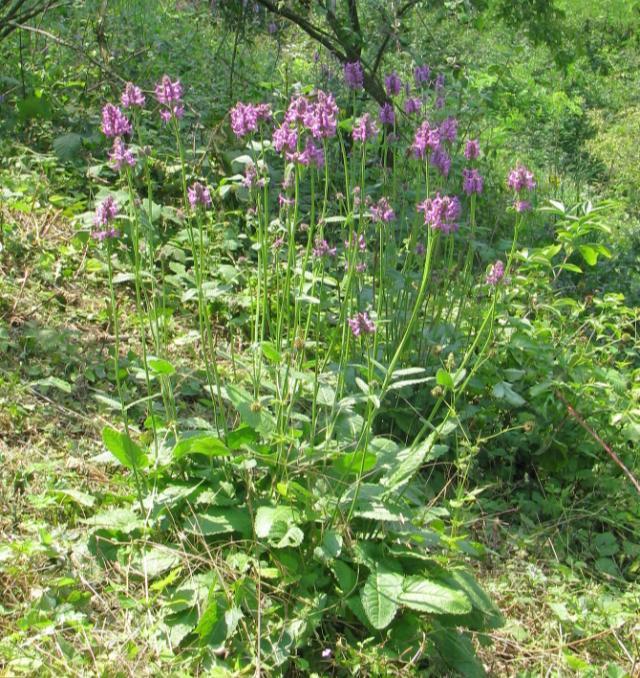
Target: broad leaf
426, 595
123, 448
379, 595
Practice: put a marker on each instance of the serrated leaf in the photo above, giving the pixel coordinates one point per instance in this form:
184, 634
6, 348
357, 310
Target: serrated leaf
67, 146
427, 595
379, 595
219, 521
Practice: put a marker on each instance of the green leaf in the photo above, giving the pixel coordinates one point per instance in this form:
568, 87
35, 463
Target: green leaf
251, 412
504, 391
354, 462
219, 521
81, 498
589, 254
67, 146
155, 560
116, 519
345, 576
330, 547
427, 595
243, 435
55, 382
409, 461
456, 649
206, 444
379, 595
270, 352
160, 366
444, 379
123, 448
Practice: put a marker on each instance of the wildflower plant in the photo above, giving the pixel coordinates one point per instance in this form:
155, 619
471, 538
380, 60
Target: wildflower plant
305, 470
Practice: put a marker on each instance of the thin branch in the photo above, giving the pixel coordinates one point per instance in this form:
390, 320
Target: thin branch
596, 437
71, 46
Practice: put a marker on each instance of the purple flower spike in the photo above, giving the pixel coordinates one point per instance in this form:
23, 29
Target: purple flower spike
496, 273
321, 117
521, 178
392, 84
199, 195
472, 182
412, 105
421, 75
441, 161
120, 155
365, 129
361, 323
354, 75
132, 96
472, 149
114, 122
387, 115
284, 139
449, 129
441, 213
427, 138
105, 213
322, 249
522, 205
168, 92
381, 212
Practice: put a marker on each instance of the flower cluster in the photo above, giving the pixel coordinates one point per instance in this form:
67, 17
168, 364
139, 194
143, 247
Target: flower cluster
361, 323
426, 139
199, 195
381, 212
322, 249
472, 149
246, 117
169, 94
132, 96
521, 179
387, 114
412, 105
120, 155
365, 128
114, 122
392, 84
421, 74
441, 212
496, 273
472, 182
354, 75
104, 215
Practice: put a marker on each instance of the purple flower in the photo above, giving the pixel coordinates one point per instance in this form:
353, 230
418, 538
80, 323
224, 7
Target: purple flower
382, 212
168, 92
426, 138
297, 109
522, 205
199, 195
176, 111
496, 273
365, 128
441, 161
285, 138
387, 114
472, 182
326, 653
106, 212
272, 28
521, 178
392, 84
421, 74
311, 156
120, 155
420, 249
357, 241
321, 117
114, 122
361, 323
449, 129
132, 96
441, 212
322, 249
245, 117
472, 149
283, 201
440, 82
412, 105
440, 102
354, 75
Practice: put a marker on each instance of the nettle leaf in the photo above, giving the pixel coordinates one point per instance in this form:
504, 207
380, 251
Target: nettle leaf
330, 547
154, 560
278, 525
427, 595
251, 412
355, 462
504, 391
127, 452
345, 576
67, 146
409, 461
206, 444
380, 593
116, 519
160, 366
456, 649
219, 521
